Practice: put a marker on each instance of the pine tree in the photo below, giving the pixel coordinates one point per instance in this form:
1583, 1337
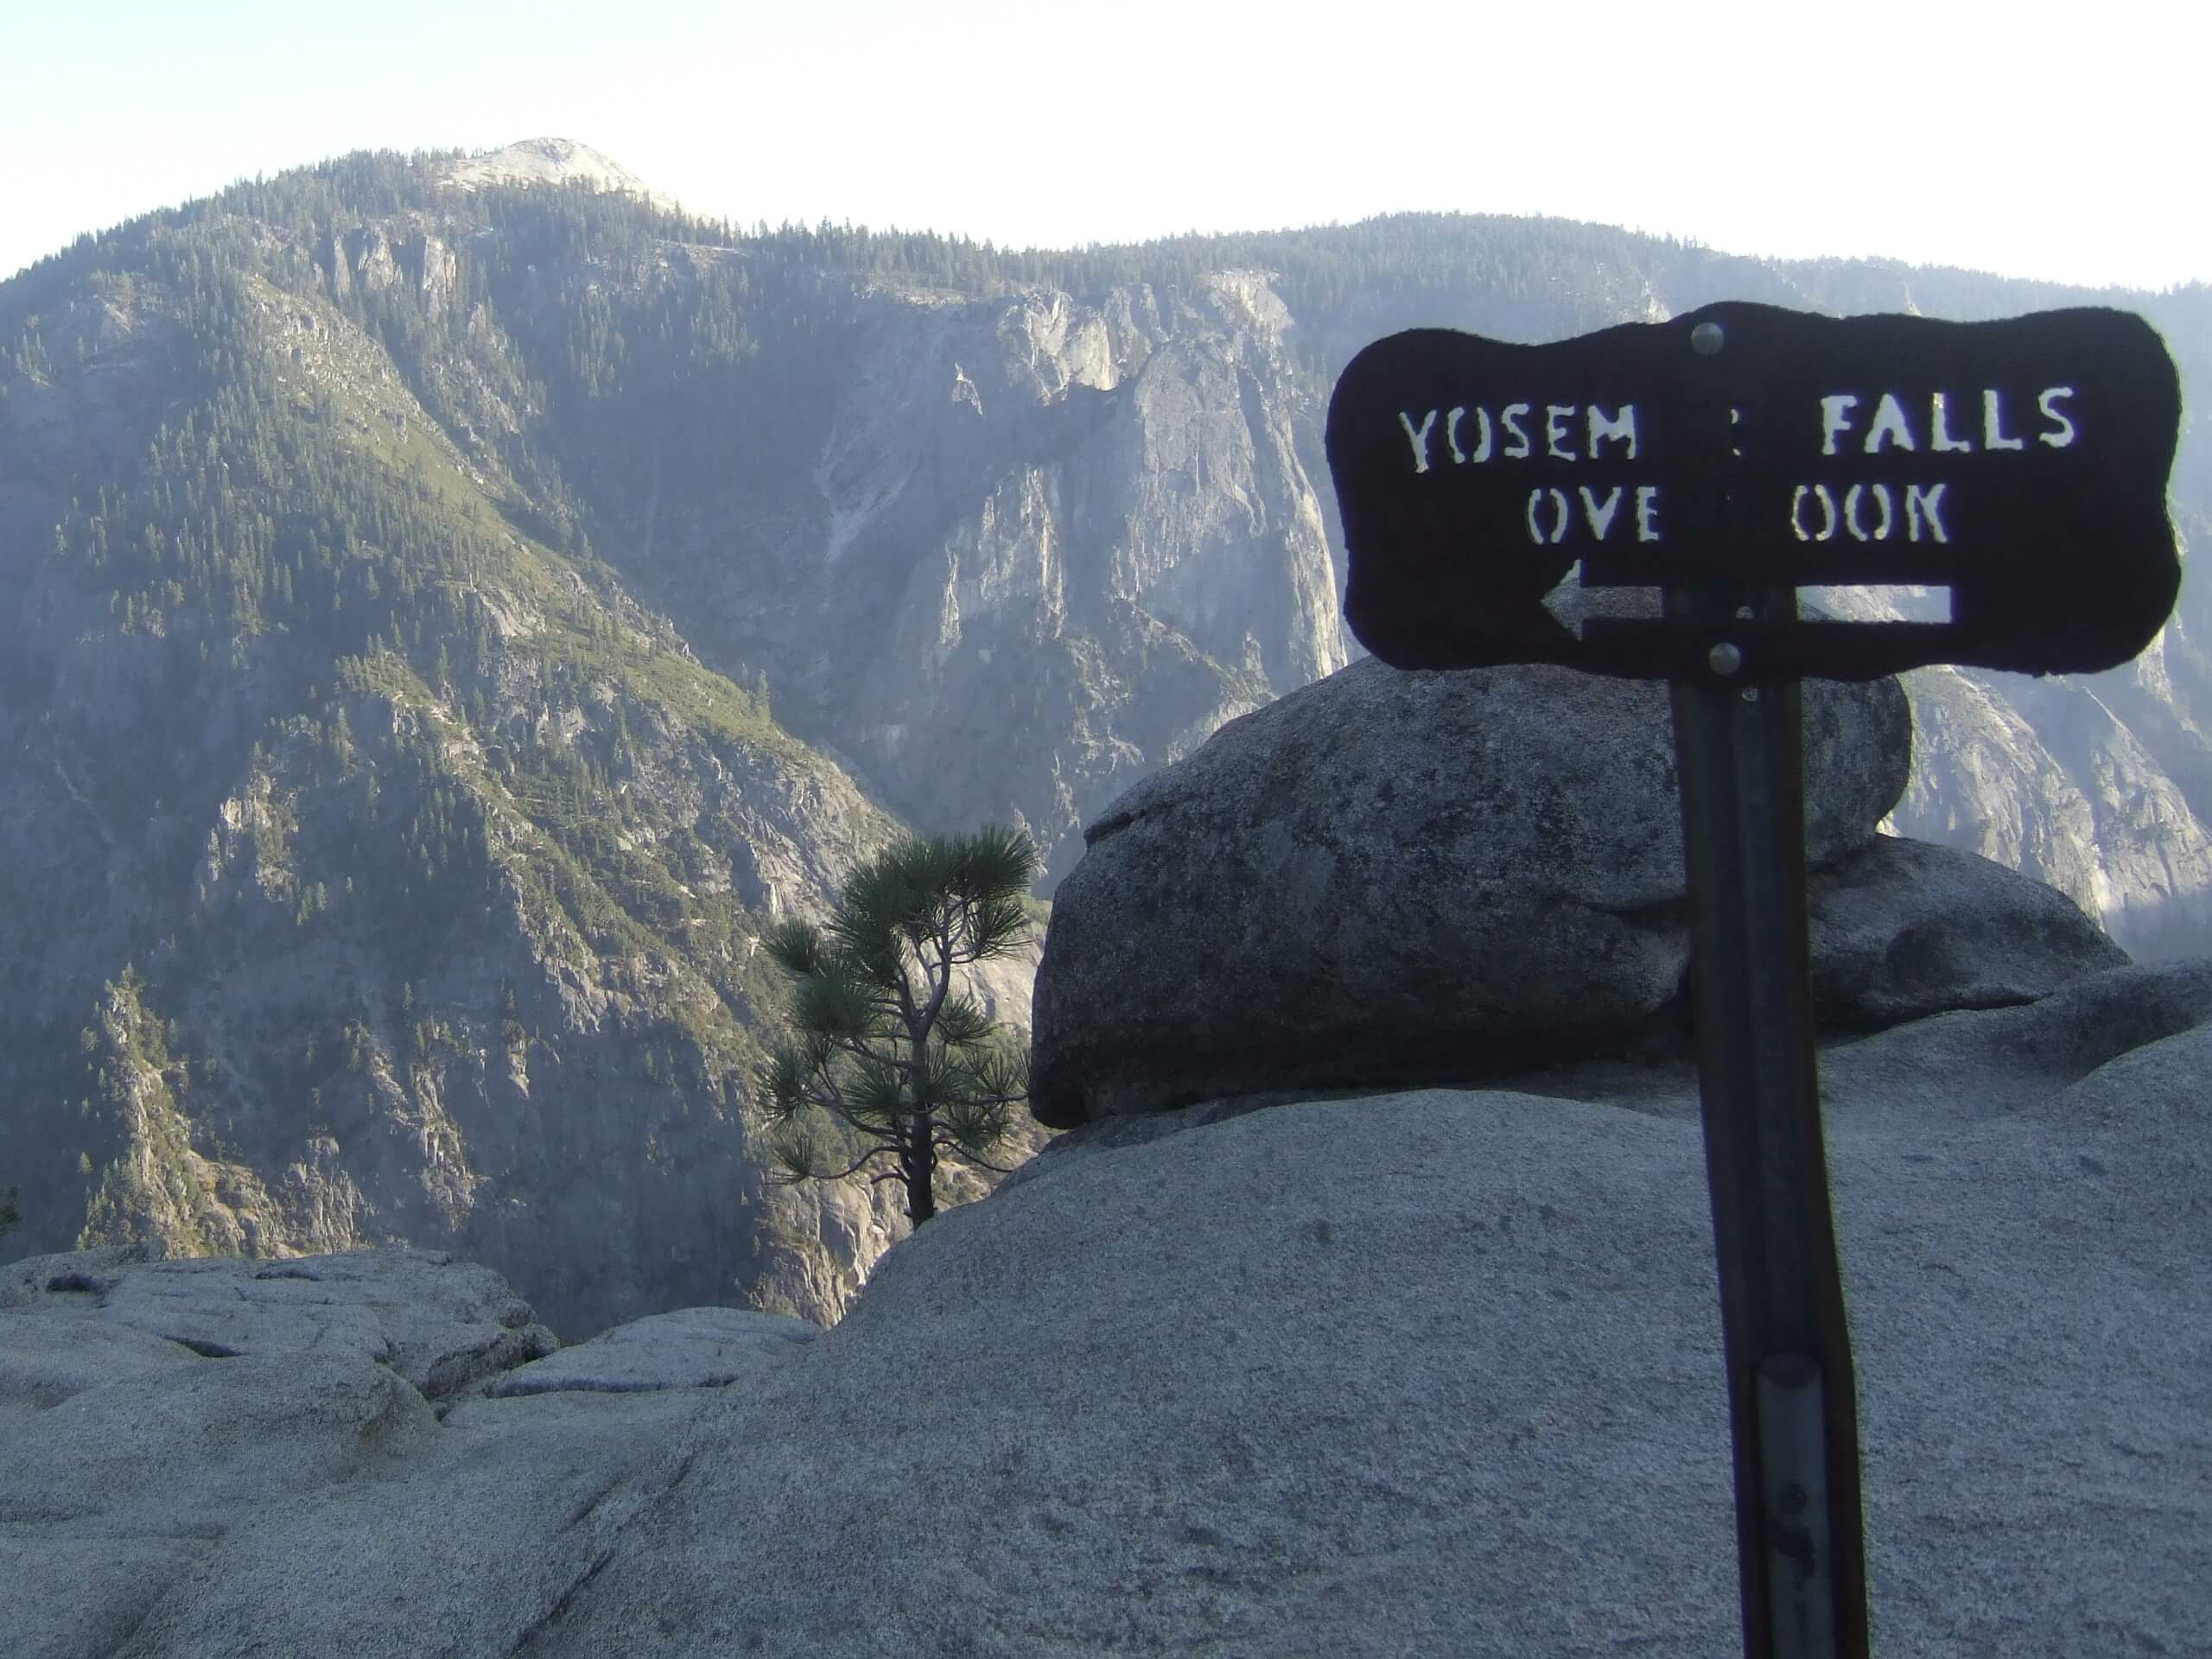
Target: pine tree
883, 1042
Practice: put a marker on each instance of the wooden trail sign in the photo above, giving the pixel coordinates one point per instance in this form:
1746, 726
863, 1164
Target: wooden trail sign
2021, 464
1729, 458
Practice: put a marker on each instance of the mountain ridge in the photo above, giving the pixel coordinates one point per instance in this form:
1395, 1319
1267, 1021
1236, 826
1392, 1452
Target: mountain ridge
454, 623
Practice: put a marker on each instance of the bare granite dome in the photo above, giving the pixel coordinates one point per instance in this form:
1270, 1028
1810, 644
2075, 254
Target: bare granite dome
549, 160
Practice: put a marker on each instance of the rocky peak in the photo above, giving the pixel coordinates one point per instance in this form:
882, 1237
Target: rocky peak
549, 161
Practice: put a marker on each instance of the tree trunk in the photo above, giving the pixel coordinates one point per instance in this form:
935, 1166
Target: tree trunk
917, 1162
919, 1156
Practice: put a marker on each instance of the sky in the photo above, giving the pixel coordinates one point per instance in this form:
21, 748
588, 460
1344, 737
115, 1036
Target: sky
2032, 139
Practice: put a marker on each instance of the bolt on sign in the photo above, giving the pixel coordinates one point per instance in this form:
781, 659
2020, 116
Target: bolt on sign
1729, 458
2020, 464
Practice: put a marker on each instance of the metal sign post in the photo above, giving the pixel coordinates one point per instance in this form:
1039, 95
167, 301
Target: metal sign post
1727, 459
1793, 1401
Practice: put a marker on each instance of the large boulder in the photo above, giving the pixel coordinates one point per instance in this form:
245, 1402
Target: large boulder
1390, 877
1903, 929
1431, 1373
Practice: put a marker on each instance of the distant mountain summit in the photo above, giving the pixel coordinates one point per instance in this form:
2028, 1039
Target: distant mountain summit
548, 161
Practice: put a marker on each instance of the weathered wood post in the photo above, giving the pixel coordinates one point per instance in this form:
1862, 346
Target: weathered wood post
1727, 459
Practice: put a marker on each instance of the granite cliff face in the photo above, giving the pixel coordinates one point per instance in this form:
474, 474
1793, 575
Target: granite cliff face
453, 614
1037, 546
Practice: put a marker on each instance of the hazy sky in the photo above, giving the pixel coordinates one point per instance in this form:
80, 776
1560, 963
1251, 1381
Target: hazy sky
2029, 138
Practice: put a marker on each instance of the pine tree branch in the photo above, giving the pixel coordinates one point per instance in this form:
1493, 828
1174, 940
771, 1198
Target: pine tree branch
970, 1156
1014, 1099
858, 1047
823, 1092
938, 973
861, 1049
854, 1168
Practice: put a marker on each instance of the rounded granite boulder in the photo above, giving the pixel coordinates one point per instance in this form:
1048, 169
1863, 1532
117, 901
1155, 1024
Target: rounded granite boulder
1393, 878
